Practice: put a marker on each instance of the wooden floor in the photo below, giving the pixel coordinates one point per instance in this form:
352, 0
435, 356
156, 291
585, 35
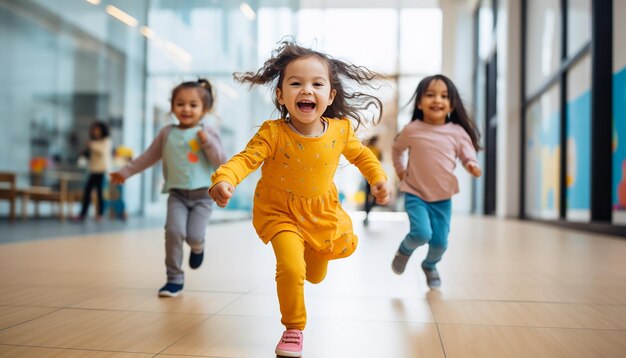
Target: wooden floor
510, 289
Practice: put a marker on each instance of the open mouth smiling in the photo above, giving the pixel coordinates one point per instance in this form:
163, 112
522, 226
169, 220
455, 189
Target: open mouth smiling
306, 106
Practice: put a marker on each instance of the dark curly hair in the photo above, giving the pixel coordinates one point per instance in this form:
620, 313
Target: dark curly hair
347, 103
104, 130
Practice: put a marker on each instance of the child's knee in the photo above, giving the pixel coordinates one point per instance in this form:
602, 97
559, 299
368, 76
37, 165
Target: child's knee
290, 272
421, 234
172, 233
416, 239
195, 241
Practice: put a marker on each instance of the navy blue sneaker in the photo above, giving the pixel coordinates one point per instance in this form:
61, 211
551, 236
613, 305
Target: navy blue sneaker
195, 260
170, 290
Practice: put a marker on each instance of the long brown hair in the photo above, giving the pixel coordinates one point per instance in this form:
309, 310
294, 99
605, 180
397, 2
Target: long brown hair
346, 103
458, 115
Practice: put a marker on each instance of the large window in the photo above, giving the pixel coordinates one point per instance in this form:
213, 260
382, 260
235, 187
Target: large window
65, 64
579, 141
578, 25
543, 42
543, 152
558, 180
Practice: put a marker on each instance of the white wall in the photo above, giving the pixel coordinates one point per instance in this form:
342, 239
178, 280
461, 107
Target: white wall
508, 36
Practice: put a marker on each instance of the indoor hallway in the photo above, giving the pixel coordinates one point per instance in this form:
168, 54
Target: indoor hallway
510, 289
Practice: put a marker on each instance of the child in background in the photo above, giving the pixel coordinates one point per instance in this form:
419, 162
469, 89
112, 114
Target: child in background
189, 151
370, 200
99, 150
440, 132
296, 205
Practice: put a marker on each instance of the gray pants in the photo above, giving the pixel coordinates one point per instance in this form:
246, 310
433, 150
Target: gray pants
188, 213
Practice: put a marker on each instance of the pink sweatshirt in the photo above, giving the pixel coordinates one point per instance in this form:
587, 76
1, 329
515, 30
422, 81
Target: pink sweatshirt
433, 151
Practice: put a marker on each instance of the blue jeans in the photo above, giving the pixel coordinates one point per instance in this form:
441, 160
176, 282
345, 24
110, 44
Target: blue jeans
430, 224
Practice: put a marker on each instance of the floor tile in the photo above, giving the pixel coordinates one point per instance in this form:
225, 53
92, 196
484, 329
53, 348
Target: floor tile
369, 309
138, 332
531, 314
148, 301
30, 352
251, 336
473, 341
10, 316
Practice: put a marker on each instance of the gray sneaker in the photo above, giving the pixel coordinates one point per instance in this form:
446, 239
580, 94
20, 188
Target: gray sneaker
432, 277
399, 263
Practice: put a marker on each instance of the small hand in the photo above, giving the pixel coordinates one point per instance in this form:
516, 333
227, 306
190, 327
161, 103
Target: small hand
116, 178
202, 136
381, 192
474, 169
401, 175
221, 193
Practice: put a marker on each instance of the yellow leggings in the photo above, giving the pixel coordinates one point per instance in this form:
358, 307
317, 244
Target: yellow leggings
295, 262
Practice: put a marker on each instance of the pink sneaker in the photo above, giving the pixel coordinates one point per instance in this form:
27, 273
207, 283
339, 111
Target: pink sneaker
290, 344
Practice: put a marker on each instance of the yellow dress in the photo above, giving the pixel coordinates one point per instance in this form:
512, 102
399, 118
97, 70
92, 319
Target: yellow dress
296, 191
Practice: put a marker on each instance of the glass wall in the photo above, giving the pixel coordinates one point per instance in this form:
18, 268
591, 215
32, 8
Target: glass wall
543, 152
65, 64
578, 178
212, 40
578, 25
543, 41
558, 110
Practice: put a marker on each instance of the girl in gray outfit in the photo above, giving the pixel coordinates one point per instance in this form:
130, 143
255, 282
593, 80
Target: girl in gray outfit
190, 152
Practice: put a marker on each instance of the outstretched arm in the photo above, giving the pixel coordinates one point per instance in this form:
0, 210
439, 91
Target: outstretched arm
145, 160
248, 160
363, 158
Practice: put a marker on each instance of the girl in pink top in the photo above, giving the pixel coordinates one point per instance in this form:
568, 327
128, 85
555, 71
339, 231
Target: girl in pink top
440, 132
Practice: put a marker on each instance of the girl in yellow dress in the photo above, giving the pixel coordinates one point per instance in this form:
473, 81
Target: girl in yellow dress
296, 205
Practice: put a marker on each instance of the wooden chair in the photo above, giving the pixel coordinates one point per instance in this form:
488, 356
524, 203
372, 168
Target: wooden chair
8, 191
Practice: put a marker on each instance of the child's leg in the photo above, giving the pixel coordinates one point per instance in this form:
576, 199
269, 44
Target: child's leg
440, 222
420, 232
291, 272
198, 219
175, 234
99, 192
91, 181
369, 199
316, 267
